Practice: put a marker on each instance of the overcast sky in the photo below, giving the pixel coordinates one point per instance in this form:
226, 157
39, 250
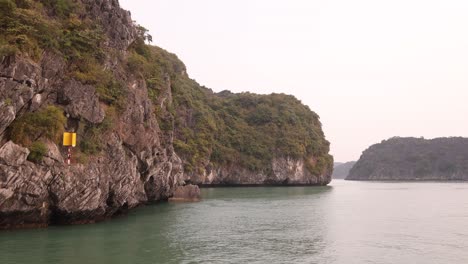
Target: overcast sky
371, 69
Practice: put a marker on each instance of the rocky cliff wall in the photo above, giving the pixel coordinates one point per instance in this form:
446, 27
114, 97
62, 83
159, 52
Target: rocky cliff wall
144, 127
136, 163
249, 139
285, 172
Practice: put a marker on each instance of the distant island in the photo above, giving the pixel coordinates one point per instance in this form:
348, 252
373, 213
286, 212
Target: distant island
400, 159
341, 169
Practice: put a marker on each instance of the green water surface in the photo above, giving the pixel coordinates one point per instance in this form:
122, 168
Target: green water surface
346, 222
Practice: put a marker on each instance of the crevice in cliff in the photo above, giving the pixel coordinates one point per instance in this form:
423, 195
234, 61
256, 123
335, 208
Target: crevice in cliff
110, 198
142, 166
27, 82
149, 189
54, 214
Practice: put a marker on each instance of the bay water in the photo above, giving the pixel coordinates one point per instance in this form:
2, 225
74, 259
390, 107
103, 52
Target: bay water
343, 223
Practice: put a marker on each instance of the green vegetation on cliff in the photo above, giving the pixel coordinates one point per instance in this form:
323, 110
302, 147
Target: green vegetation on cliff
248, 130
32, 129
60, 26
47, 123
223, 129
33, 28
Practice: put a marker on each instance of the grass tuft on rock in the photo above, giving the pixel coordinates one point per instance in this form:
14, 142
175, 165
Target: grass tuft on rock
46, 123
37, 151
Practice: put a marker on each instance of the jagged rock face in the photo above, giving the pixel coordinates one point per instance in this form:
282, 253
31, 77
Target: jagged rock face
285, 171
135, 166
400, 159
116, 22
81, 101
21, 81
134, 169
23, 189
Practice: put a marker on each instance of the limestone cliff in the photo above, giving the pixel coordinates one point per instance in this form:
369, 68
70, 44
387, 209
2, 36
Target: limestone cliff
84, 66
285, 171
411, 159
249, 139
135, 162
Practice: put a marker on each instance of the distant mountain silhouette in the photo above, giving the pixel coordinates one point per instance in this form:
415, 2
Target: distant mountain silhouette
341, 169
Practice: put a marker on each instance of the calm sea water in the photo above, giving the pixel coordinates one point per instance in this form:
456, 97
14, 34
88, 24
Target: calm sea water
347, 222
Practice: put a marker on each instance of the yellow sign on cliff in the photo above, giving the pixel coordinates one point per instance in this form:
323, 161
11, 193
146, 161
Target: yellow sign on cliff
69, 139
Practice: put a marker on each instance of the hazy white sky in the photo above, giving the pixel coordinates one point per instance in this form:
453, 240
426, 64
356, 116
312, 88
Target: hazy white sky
371, 69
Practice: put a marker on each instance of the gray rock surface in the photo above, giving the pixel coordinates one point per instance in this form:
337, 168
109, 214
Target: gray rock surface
81, 101
286, 171
135, 167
